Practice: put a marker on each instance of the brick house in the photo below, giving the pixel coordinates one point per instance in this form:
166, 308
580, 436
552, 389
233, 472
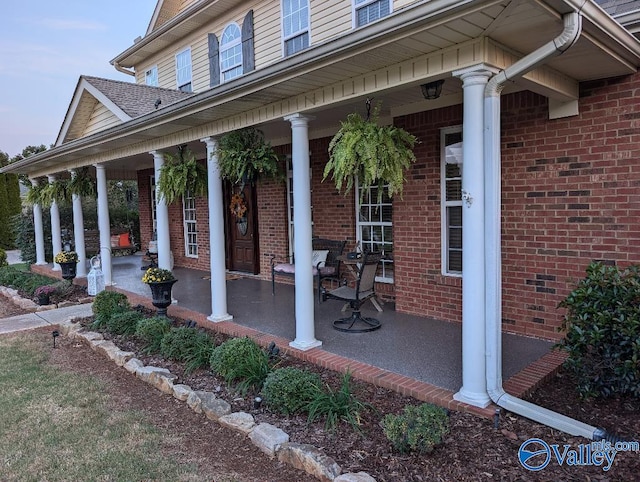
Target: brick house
538, 97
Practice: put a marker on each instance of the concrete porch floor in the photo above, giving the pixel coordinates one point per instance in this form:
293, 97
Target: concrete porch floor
417, 356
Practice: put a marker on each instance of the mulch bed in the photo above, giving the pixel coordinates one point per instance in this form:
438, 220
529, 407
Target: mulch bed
475, 448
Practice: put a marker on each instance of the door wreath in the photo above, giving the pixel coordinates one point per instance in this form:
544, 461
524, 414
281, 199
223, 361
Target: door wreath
237, 206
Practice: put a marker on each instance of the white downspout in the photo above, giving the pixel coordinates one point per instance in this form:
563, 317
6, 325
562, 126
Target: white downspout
493, 272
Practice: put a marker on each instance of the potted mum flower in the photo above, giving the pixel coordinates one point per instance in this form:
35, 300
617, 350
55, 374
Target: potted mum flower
43, 293
67, 261
160, 282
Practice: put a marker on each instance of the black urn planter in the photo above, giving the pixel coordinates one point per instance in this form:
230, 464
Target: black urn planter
161, 295
43, 299
68, 270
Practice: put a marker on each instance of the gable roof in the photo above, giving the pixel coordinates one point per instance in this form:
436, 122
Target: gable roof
124, 100
165, 10
626, 12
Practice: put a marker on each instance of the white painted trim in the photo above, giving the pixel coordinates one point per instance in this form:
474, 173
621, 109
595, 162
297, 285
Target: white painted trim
283, 38
379, 279
224, 47
355, 7
84, 85
146, 71
180, 52
444, 244
185, 224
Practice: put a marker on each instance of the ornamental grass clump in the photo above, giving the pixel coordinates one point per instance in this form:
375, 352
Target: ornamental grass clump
157, 275
602, 325
124, 323
241, 359
151, 331
337, 405
289, 390
189, 345
107, 304
66, 257
417, 429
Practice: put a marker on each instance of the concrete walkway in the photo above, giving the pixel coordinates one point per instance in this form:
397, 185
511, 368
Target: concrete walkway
43, 318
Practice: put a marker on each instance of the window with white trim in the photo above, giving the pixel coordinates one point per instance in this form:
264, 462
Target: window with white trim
230, 53
190, 227
183, 70
295, 26
151, 76
451, 196
290, 201
374, 228
367, 11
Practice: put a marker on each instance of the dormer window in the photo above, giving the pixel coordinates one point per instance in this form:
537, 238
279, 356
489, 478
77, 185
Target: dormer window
295, 25
231, 53
367, 11
151, 76
183, 70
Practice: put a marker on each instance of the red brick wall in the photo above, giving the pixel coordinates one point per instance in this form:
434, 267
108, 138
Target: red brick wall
571, 193
421, 289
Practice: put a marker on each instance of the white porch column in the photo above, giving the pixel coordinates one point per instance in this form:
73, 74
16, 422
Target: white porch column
304, 297
78, 232
216, 236
162, 216
56, 234
39, 230
103, 223
474, 385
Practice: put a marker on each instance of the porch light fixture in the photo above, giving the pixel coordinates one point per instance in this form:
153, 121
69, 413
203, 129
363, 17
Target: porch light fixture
432, 90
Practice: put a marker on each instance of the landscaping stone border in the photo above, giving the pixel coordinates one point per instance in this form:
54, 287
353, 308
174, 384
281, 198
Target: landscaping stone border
270, 439
30, 305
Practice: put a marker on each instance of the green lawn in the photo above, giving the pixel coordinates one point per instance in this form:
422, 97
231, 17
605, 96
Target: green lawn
58, 426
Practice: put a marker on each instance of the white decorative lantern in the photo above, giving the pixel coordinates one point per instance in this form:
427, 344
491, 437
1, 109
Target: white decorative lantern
95, 278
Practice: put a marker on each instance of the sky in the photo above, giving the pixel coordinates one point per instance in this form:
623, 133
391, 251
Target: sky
45, 45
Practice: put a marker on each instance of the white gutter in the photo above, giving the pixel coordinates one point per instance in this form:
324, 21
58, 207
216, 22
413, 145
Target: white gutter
120, 68
493, 269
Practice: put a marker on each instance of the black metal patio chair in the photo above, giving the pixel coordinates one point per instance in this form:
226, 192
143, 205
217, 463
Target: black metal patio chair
365, 289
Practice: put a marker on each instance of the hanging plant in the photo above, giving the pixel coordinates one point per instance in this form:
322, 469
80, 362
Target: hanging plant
180, 174
34, 194
375, 155
244, 156
57, 191
82, 184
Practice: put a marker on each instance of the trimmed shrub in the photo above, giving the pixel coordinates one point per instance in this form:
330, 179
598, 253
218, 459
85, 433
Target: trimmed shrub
189, 345
289, 390
151, 331
233, 359
602, 326
106, 304
124, 323
338, 405
418, 428
3, 258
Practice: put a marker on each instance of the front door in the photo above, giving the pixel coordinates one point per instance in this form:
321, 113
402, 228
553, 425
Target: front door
242, 228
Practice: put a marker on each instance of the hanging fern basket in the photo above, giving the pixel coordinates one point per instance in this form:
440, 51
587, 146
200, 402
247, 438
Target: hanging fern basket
244, 156
180, 174
375, 155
